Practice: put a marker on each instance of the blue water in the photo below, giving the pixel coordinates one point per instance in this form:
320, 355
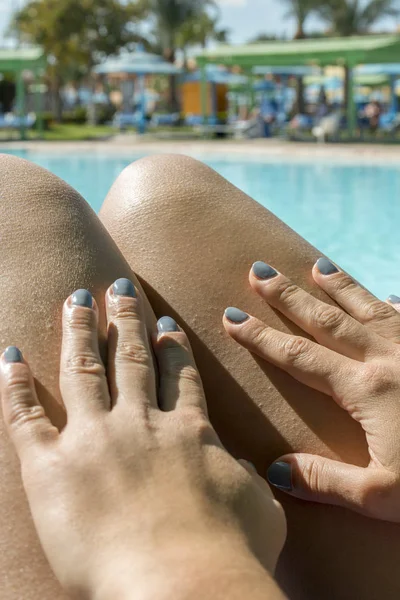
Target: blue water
351, 213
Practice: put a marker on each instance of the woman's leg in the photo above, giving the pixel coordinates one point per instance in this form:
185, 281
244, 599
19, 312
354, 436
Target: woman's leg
192, 237
51, 244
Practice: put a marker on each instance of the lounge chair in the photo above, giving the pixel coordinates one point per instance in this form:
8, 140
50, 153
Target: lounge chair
328, 126
10, 121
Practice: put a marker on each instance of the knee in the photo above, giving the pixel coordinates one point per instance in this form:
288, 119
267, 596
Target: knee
34, 198
172, 183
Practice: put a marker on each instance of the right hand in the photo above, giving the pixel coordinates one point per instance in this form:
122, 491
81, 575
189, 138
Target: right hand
355, 359
137, 486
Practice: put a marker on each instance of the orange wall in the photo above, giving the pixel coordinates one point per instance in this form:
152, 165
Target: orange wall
191, 98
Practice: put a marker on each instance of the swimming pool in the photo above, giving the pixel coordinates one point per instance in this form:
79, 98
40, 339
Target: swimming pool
350, 212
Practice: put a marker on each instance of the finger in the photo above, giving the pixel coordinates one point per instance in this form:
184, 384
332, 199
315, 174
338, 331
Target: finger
25, 419
329, 325
357, 301
306, 361
83, 381
394, 302
180, 383
317, 479
130, 366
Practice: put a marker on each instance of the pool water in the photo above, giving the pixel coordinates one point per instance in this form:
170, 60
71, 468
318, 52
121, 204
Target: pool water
351, 213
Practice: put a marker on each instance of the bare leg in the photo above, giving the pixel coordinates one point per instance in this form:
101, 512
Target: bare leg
51, 244
192, 237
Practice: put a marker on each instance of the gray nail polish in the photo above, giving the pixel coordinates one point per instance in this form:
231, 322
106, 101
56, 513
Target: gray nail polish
326, 267
263, 271
166, 325
280, 475
82, 298
124, 287
235, 315
12, 354
394, 299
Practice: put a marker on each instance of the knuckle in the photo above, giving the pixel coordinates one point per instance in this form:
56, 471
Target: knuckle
295, 348
82, 364
344, 283
378, 311
327, 317
81, 319
195, 423
20, 414
286, 291
136, 353
18, 382
176, 364
126, 309
259, 335
312, 473
376, 379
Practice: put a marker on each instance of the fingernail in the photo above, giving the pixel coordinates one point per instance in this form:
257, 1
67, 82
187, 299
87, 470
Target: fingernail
394, 299
263, 271
12, 354
82, 298
235, 315
124, 287
325, 267
167, 325
280, 475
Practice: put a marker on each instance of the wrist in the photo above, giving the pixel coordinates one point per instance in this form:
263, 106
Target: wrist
200, 569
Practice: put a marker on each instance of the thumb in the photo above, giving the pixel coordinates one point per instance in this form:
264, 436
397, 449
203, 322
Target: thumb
369, 491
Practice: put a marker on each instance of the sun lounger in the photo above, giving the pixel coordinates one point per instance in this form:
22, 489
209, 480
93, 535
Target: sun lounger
327, 127
10, 121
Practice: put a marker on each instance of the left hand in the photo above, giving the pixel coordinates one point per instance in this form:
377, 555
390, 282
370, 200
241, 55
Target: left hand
136, 497
356, 361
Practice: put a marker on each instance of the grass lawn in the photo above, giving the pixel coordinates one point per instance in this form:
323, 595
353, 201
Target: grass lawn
65, 133
73, 132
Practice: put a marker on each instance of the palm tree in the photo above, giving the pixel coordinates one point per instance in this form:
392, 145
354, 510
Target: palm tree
170, 16
351, 17
300, 10
200, 31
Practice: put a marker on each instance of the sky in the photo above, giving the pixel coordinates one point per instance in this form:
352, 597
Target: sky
244, 18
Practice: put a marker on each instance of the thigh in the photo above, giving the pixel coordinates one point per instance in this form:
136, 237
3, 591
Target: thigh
51, 244
192, 237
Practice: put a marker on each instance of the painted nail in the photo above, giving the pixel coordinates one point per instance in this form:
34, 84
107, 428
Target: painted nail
167, 325
263, 271
394, 299
325, 267
12, 354
82, 298
235, 315
280, 476
124, 287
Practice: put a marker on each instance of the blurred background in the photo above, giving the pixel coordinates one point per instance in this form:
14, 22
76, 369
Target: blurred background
294, 101
152, 76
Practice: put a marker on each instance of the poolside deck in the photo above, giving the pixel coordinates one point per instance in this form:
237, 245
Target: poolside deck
260, 150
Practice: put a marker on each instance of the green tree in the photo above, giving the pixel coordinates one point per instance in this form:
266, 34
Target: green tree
199, 32
170, 16
351, 17
76, 34
300, 10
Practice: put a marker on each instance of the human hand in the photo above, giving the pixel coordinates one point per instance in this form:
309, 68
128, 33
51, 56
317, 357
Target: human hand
137, 489
356, 360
